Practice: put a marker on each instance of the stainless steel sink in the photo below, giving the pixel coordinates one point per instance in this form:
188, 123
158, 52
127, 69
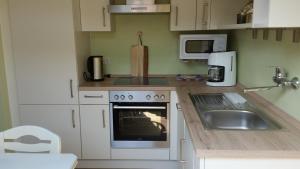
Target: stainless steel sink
236, 120
224, 112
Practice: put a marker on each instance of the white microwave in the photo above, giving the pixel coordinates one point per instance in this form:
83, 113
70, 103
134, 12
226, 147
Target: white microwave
199, 46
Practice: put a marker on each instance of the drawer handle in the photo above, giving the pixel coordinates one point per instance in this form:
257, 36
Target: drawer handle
103, 118
87, 96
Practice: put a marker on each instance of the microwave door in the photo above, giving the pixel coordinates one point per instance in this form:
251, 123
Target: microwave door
199, 46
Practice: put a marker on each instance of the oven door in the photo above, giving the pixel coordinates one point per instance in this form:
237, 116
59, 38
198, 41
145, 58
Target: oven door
140, 125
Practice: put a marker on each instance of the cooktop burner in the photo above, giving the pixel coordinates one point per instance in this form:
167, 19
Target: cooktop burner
154, 81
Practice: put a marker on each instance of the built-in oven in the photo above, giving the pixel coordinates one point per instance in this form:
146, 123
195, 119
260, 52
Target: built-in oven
140, 119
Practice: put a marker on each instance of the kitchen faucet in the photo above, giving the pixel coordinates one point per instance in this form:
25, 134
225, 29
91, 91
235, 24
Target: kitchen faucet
281, 80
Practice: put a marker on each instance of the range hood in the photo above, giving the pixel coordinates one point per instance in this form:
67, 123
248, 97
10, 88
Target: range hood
140, 8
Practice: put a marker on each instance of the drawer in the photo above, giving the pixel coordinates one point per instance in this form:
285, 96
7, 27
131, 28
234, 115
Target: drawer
93, 97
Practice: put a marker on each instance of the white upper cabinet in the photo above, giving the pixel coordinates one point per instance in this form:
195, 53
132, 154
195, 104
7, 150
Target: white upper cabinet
44, 49
276, 13
203, 14
183, 15
95, 15
266, 14
190, 15
224, 13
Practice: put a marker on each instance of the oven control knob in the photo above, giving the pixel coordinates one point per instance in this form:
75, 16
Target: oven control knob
156, 97
130, 97
148, 97
116, 97
122, 97
162, 97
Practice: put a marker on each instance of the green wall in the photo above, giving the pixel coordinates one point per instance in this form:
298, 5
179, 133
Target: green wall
4, 109
163, 45
255, 56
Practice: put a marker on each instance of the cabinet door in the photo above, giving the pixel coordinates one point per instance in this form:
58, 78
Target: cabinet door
203, 14
95, 131
44, 50
188, 155
95, 15
60, 119
176, 127
183, 15
236, 163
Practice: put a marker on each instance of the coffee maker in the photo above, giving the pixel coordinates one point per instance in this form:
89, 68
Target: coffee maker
222, 69
95, 69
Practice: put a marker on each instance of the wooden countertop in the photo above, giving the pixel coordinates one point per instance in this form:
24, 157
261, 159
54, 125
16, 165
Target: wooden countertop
283, 143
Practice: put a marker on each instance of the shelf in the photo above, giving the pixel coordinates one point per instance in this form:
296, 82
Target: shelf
236, 26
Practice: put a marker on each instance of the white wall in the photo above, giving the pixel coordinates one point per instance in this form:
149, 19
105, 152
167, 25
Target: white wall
9, 61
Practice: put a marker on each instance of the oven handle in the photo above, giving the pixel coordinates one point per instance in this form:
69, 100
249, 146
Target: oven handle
141, 107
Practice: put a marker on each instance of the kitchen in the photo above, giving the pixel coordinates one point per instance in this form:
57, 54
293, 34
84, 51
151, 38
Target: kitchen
257, 50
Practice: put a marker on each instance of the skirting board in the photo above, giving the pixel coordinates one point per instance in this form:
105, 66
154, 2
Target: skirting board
132, 164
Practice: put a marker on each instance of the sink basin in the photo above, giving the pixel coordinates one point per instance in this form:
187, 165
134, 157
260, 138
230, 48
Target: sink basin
230, 111
236, 120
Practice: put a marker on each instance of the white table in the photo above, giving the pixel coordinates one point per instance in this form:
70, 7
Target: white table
37, 161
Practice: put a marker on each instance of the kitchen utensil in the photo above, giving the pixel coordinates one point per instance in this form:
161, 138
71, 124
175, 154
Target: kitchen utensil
139, 58
95, 69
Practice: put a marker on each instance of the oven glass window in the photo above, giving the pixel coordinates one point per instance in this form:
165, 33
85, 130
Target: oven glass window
199, 46
144, 124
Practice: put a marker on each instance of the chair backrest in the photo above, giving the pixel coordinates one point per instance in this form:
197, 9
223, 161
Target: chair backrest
47, 141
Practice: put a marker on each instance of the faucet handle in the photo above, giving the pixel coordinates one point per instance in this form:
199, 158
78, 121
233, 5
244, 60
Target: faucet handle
280, 72
280, 75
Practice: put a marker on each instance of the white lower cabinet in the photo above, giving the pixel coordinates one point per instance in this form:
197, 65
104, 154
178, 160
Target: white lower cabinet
211, 163
187, 158
95, 131
187, 154
60, 119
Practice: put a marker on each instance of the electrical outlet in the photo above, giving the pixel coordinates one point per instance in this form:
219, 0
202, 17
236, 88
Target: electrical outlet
106, 61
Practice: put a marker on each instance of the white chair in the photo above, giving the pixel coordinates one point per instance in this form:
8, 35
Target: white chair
48, 141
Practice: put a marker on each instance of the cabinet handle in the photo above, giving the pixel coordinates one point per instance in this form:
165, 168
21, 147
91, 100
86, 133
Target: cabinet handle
71, 88
103, 15
178, 107
176, 15
80, 19
204, 19
73, 119
103, 118
87, 96
181, 149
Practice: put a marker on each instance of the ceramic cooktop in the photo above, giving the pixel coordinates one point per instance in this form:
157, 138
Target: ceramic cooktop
153, 81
